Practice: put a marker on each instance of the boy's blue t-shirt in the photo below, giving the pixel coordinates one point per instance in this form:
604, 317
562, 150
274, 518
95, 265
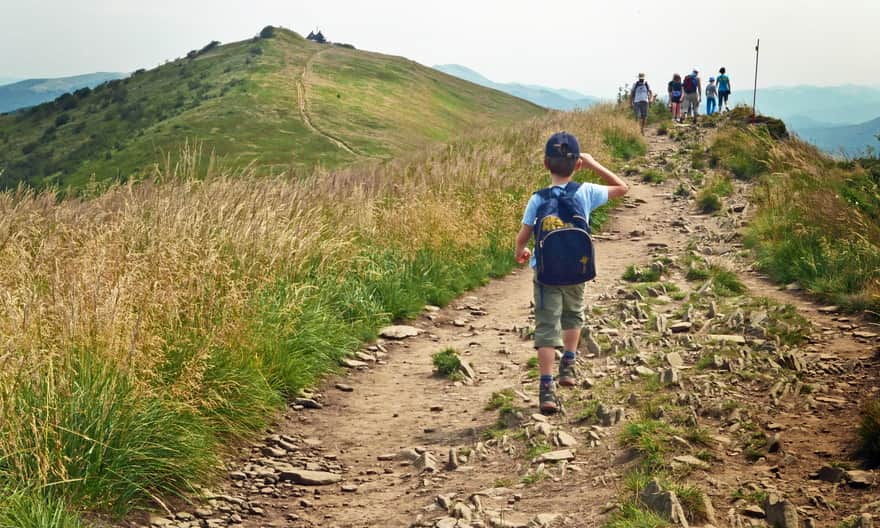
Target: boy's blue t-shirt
590, 196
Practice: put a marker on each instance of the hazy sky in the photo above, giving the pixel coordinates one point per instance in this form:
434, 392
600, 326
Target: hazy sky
590, 46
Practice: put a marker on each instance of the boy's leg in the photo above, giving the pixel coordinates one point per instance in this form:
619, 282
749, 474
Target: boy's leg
548, 310
571, 320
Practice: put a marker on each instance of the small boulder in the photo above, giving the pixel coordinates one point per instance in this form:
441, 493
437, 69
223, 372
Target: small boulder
399, 331
663, 502
781, 513
305, 477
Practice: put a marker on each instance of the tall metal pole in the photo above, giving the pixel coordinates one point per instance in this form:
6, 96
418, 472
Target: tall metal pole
755, 91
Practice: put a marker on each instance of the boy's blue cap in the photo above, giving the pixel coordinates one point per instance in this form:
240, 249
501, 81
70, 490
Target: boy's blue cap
562, 145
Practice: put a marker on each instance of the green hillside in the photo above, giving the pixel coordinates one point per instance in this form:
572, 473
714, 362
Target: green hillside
281, 102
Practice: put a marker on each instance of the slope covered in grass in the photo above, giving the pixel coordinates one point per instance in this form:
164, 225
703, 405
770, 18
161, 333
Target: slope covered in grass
175, 315
276, 103
818, 219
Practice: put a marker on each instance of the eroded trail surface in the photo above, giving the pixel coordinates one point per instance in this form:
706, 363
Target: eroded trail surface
731, 397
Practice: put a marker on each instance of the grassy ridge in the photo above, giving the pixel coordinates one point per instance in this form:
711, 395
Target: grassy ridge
818, 220
240, 101
148, 325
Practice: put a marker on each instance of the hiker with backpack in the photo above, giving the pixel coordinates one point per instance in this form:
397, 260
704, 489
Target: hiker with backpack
675, 91
693, 93
640, 97
559, 218
723, 89
711, 92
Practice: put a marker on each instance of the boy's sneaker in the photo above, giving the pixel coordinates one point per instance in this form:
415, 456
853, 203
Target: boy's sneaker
547, 399
567, 373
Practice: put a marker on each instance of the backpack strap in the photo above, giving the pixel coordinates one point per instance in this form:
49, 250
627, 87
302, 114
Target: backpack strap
547, 192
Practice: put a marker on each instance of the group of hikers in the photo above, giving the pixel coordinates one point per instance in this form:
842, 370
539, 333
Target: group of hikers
687, 91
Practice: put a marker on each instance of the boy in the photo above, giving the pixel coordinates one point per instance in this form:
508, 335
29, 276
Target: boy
559, 309
711, 92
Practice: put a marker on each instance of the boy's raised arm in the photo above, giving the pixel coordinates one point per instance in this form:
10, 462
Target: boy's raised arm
616, 186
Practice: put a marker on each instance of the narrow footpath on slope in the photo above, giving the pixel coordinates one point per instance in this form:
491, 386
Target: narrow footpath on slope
302, 83
387, 443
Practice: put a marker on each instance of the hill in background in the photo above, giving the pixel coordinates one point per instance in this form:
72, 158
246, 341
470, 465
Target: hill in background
557, 99
832, 117
853, 139
280, 102
30, 92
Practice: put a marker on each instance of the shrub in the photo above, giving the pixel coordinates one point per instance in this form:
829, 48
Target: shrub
869, 432
267, 32
209, 46
447, 363
256, 50
62, 119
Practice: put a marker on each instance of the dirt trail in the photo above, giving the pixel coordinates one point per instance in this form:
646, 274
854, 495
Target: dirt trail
378, 416
302, 82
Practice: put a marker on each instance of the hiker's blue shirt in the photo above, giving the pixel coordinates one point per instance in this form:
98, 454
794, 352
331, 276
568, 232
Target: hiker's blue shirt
590, 196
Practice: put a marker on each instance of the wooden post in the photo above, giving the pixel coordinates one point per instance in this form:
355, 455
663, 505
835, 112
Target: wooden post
755, 91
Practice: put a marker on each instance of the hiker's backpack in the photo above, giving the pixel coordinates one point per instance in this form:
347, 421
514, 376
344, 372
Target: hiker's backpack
690, 84
563, 247
640, 91
676, 90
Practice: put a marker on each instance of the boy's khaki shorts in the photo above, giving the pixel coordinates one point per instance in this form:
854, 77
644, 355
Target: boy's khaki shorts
557, 308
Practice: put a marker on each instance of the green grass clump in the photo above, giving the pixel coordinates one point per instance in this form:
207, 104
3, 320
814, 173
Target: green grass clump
869, 432
500, 399
624, 145
631, 515
653, 176
102, 445
533, 477
724, 282
708, 202
709, 198
537, 449
638, 274
34, 509
650, 438
692, 501
447, 363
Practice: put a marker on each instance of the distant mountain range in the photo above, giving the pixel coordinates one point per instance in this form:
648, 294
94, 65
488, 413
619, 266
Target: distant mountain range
834, 118
853, 139
31, 92
8, 80
557, 99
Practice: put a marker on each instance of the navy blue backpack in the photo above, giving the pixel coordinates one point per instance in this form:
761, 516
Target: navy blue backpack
563, 247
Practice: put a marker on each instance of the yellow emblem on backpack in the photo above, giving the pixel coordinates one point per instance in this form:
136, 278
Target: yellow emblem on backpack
551, 223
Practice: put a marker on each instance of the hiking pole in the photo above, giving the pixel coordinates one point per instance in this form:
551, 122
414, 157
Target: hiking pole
755, 91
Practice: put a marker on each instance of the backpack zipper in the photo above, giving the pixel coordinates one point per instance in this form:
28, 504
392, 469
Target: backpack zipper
551, 233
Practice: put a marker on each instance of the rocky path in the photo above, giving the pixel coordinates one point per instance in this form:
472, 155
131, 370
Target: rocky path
752, 405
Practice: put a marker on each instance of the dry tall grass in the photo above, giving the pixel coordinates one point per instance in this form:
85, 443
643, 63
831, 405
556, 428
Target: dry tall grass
129, 278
